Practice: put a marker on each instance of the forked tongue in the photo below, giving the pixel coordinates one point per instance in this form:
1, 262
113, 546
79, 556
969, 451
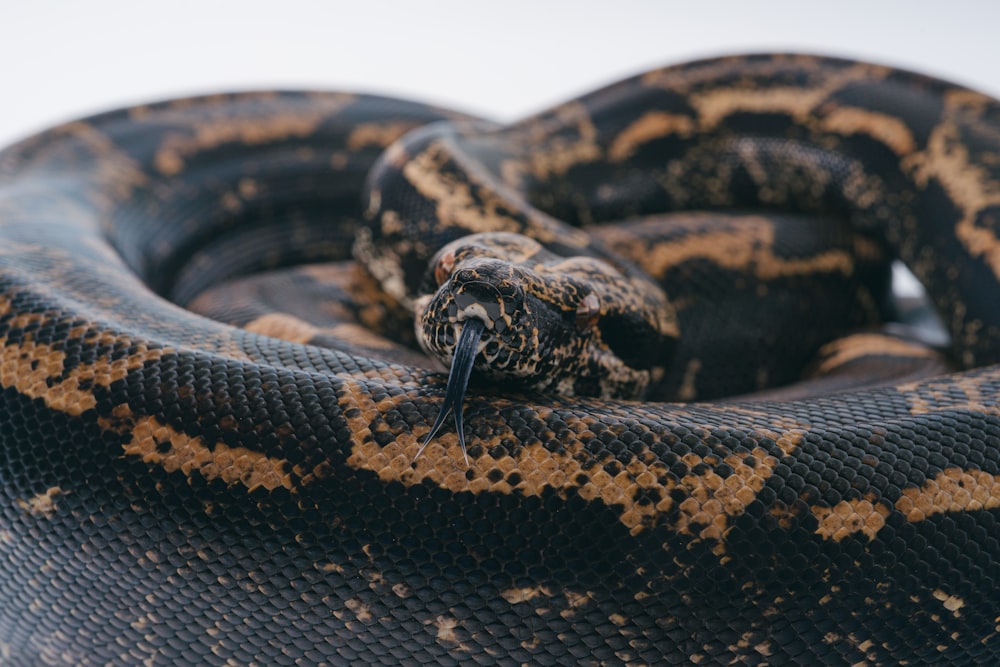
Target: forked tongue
458, 382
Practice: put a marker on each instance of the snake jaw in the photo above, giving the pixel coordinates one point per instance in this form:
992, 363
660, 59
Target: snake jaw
458, 382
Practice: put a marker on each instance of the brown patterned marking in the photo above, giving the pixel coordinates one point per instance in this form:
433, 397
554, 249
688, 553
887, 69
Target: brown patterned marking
748, 248
576, 600
383, 264
355, 334
248, 187
951, 490
330, 568
889, 130
290, 328
851, 348
714, 499
711, 499
618, 619
43, 504
748, 641
174, 451
31, 367
224, 344
332, 273
558, 154
787, 431
377, 307
283, 326
377, 134
971, 188
176, 148
686, 80
848, 517
939, 394
361, 611
651, 125
688, 390
456, 204
799, 102
787, 516
562, 154
952, 603
446, 631
526, 594
361, 413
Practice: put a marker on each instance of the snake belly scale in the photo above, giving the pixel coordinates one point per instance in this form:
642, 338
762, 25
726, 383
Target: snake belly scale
176, 490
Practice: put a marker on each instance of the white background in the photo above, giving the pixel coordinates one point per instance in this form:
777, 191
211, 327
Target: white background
62, 59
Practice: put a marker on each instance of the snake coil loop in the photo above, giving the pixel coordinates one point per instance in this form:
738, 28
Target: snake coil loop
178, 490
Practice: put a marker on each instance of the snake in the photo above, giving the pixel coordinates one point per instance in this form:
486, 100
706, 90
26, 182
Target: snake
181, 489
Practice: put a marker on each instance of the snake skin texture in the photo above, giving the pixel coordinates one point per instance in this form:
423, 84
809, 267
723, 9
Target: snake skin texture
175, 490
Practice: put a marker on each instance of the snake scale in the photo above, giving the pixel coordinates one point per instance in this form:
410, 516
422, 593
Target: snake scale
178, 490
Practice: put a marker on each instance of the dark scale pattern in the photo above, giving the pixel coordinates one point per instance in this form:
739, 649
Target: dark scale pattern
174, 490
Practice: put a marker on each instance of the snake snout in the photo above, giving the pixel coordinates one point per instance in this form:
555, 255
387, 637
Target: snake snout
486, 292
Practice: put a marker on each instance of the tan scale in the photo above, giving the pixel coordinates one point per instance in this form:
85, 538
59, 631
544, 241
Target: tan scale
177, 148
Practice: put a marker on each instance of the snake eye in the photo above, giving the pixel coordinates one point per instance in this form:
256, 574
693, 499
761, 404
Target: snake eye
588, 311
442, 271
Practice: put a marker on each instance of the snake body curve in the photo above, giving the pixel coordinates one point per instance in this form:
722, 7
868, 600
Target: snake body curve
176, 490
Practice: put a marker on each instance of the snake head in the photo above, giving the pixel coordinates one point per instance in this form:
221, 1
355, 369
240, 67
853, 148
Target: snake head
576, 326
507, 308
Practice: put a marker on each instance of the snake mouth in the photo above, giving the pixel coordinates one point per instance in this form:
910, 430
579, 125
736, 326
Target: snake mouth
458, 382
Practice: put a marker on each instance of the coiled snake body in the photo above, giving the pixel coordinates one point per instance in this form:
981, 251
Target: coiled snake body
173, 489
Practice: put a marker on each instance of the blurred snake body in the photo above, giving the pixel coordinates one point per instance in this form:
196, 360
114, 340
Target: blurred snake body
178, 490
